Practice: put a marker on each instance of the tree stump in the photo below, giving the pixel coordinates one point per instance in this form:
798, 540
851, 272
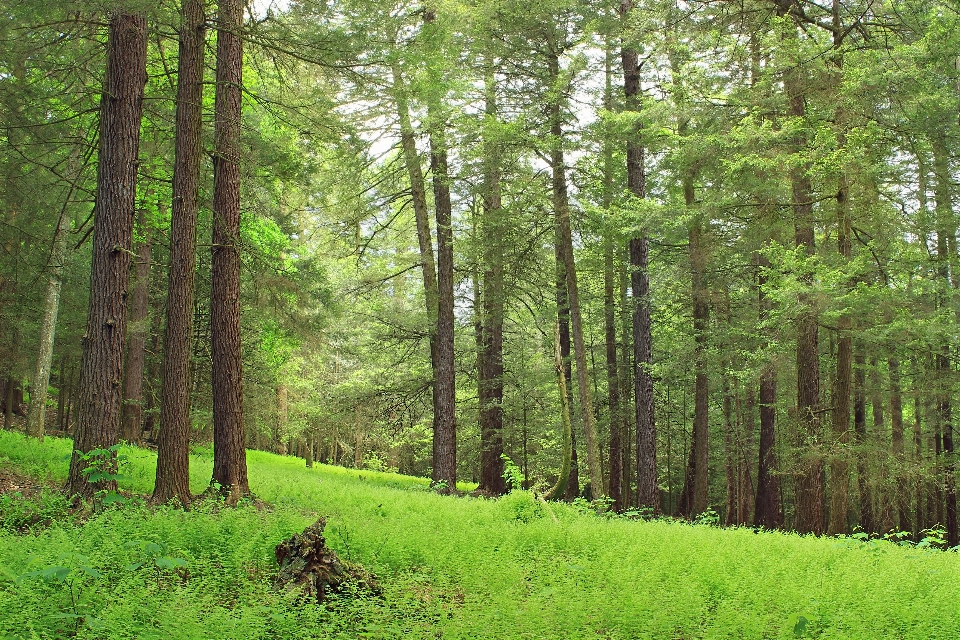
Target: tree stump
308, 566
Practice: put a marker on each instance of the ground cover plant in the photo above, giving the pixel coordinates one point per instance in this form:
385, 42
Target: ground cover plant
450, 567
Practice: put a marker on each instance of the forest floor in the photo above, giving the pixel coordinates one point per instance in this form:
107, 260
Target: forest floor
448, 567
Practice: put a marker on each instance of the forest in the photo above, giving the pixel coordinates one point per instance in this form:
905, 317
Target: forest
668, 259
566, 318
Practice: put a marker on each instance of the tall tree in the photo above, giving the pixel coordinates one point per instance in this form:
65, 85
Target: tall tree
173, 460
561, 208
121, 109
229, 453
445, 426
648, 493
490, 366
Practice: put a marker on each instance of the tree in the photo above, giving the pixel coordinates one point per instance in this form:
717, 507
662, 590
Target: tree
648, 493
121, 107
229, 459
173, 460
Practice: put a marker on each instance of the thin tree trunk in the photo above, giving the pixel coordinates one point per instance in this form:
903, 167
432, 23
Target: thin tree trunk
617, 482
36, 414
769, 511
173, 442
421, 214
839, 466
121, 108
132, 414
901, 488
746, 496
229, 452
860, 434
648, 492
559, 490
561, 208
693, 499
882, 496
946, 236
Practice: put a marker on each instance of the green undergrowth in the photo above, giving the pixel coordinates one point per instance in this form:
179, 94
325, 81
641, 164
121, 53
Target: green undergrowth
450, 567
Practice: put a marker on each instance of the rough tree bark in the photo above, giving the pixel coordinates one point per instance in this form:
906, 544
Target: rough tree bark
173, 444
229, 453
809, 475
648, 492
445, 425
121, 108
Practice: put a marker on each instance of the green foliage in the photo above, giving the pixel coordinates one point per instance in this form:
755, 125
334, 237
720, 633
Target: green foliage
460, 567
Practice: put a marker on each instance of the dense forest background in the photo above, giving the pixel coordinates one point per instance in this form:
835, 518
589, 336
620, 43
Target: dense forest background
681, 255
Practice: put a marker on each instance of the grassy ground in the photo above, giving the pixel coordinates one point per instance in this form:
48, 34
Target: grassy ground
450, 567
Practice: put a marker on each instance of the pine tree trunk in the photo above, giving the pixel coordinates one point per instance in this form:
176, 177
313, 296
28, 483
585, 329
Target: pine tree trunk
421, 214
693, 499
901, 488
860, 434
768, 512
809, 476
839, 467
445, 426
648, 492
173, 443
490, 365
229, 453
132, 415
617, 482
36, 414
121, 108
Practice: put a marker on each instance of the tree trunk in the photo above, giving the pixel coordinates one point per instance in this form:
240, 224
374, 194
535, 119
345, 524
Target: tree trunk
617, 481
946, 236
839, 467
860, 434
121, 108
229, 453
490, 369
746, 496
648, 492
282, 415
173, 444
693, 499
132, 415
422, 216
561, 208
559, 490
882, 504
901, 488
445, 427
809, 476
36, 414
768, 512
